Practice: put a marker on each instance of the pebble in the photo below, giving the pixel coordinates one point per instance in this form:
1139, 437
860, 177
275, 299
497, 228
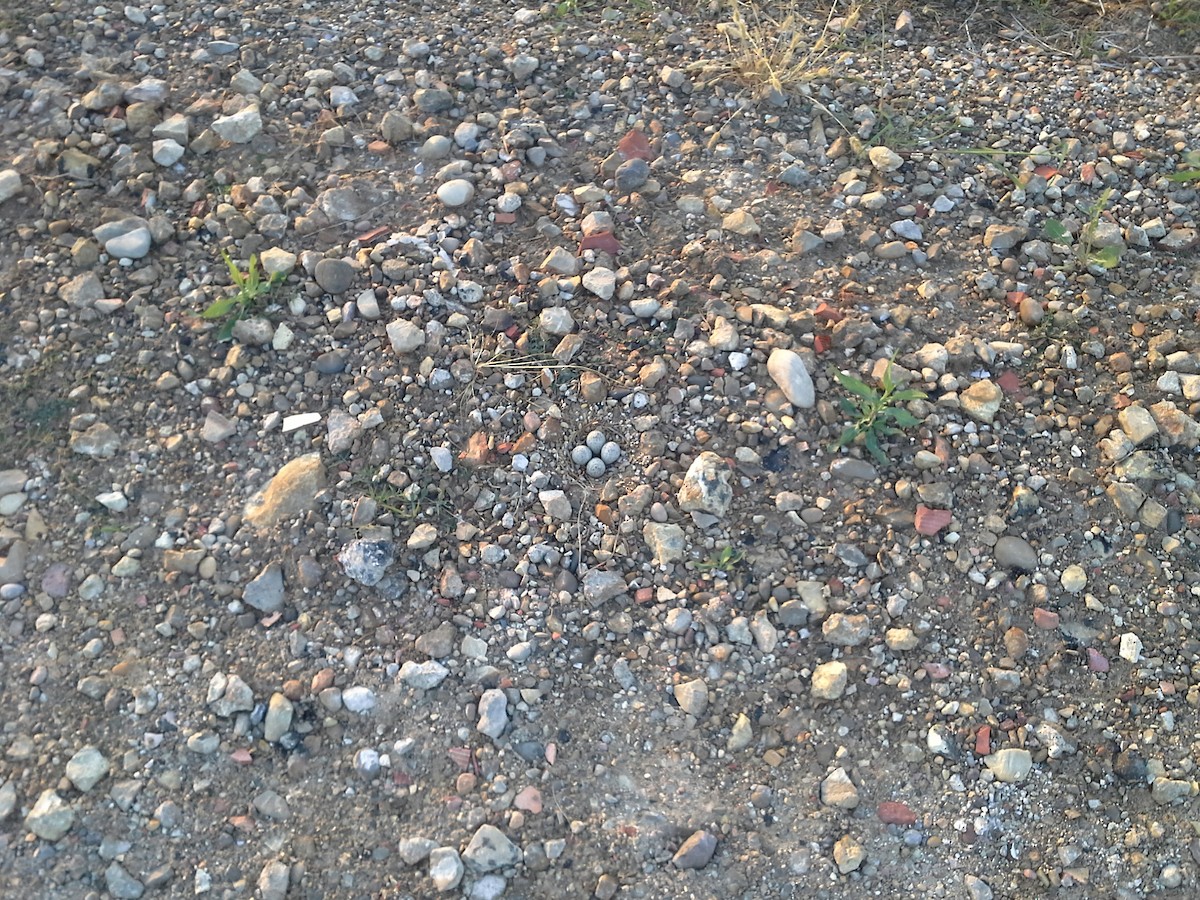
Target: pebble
697, 851
493, 713
10, 184
848, 854
456, 192
981, 401
274, 880
367, 560
334, 276
1013, 552
838, 790
358, 699
788, 371
278, 720
445, 868
1010, 764
1073, 579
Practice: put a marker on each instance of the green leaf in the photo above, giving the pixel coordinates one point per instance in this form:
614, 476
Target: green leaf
1185, 175
234, 273
909, 394
855, 386
872, 445
847, 407
1057, 231
219, 308
1108, 257
226, 332
1192, 158
903, 417
847, 437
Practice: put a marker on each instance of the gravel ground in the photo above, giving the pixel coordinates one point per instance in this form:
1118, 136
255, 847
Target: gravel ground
503, 545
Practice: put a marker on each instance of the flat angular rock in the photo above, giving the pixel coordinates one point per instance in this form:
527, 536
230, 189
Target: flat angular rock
490, 849
706, 486
82, 291
666, 542
423, 676
241, 127
278, 720
838, 790
291, 491
600, 586
86, 768
445, 868
265, 591
692, 696
121, 884
51, 817
493, 713
829, 680
981, 401
99, 441
405, 336
10, 184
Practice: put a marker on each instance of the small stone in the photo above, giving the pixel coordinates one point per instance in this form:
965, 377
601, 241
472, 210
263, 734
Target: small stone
829, 680
51, 817
601, 281
1137, 422
1073, 579
445, 868
788, 371
696, 852
291, 491
273, 880
838, 790
493, 713
1004, 237
99, 441
424, 676
358, 699
848, 854
741, 735
239, 128
405, 336
86, 768
981, 401
666, 542
1130, 647
366, 560
1010, 764
560, 261
556, 320
891, 812
742, 223
166, 151
692, 696
10, 184
846, 630
631, 175
600, 586
334, 276
278, 720
121, 884
1015, 553
556, 504
884, 159
423, 537
490, 849
456, 192
706, 486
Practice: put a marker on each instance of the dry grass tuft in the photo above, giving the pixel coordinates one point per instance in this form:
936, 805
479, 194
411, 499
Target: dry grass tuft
773, 49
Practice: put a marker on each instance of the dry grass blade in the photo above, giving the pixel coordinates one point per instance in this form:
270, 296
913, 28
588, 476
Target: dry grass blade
774, 50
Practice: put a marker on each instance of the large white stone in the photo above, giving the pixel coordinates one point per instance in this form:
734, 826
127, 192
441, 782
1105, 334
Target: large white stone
787, 370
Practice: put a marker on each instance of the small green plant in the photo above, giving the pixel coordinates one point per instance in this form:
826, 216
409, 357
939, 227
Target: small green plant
1191, 159
876, 414
723, 560
235, 307
1087, 252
